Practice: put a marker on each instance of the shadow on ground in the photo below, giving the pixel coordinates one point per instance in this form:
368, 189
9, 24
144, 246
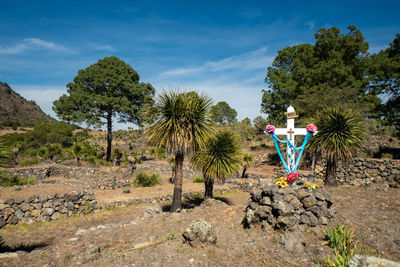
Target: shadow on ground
190, 203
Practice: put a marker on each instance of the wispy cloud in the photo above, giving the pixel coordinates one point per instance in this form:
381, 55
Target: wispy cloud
33, 43
252, 60
310, 24
101, 47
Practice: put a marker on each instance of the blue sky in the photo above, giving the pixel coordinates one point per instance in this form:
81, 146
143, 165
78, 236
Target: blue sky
220, 47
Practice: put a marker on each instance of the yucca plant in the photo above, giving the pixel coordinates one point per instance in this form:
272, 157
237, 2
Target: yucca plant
220, 157
246, 161
340, 135
182, 126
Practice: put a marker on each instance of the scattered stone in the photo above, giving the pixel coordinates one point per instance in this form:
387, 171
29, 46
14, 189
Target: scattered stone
199, 233
152, 211
371, 261
73, 239
50, 264
293, 241
101, 226
81, 231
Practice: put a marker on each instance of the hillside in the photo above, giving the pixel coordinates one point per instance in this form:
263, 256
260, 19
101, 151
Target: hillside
17, 111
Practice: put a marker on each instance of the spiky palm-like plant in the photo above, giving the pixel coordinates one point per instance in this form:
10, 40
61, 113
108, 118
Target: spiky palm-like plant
246, 161
182, 125
220, 157
340, 135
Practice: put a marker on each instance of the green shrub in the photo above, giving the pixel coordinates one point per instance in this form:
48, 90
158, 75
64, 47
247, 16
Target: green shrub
198, 179
29, 162
42, 152
126, 191
161, 153
90, 160
15, 180
386, 156
143, 179
343, 240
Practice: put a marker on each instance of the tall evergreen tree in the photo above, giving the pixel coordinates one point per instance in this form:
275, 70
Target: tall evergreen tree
107, 89
309, 77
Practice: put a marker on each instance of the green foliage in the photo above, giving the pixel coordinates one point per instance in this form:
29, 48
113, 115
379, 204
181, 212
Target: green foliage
29, 162
385, 76
161, 153
340, 133
50, 133
247, 159
386, 156
90, 160
311, 76
143, 179
116, 154
103, 90
260, 123
126, 191
42, 152
15, 180
221, 156
53, 150
198, 179
343, 240
222, 112
182, 123
169, 236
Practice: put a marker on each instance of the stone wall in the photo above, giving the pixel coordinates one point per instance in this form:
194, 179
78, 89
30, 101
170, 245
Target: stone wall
288, 208
359, 171
96, 178
45, 207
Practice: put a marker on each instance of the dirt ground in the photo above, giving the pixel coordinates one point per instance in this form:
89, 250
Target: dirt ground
124, 237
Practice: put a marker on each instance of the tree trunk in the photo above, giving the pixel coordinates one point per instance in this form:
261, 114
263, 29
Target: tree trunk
177, 199
109, 136
313, 159
78, 161
330, 178
244, 172
209, 187
173, 174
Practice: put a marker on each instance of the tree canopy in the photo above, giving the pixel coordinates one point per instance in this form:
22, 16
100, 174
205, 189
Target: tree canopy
385, 79
222, 112
309, 77
107, 89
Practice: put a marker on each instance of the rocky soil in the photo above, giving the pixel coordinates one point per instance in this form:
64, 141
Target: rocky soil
145, 235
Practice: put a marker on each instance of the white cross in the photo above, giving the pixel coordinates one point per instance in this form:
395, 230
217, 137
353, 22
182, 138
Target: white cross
290, 132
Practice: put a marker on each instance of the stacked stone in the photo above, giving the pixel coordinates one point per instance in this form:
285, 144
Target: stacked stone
45, 208
288, 208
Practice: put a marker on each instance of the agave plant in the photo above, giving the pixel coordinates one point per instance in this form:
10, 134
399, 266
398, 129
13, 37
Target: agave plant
340, 135
220, 157
182, 126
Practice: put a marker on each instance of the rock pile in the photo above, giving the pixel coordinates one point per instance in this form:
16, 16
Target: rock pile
199, 233
288, 208
45, 208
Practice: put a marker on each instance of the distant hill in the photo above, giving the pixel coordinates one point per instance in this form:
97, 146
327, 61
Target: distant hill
17, 111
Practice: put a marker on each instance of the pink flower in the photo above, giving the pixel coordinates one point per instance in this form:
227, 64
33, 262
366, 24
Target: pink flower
311, 128
292, 176
270, 128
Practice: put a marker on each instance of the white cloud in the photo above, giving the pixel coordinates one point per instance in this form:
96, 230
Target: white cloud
101, 47
310, 24
248, 61
33, 43
42, 95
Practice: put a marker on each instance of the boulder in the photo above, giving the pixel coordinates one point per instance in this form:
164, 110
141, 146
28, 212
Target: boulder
199, 233
359, 260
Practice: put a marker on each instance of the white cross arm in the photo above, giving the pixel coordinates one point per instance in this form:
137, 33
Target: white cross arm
296, 131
